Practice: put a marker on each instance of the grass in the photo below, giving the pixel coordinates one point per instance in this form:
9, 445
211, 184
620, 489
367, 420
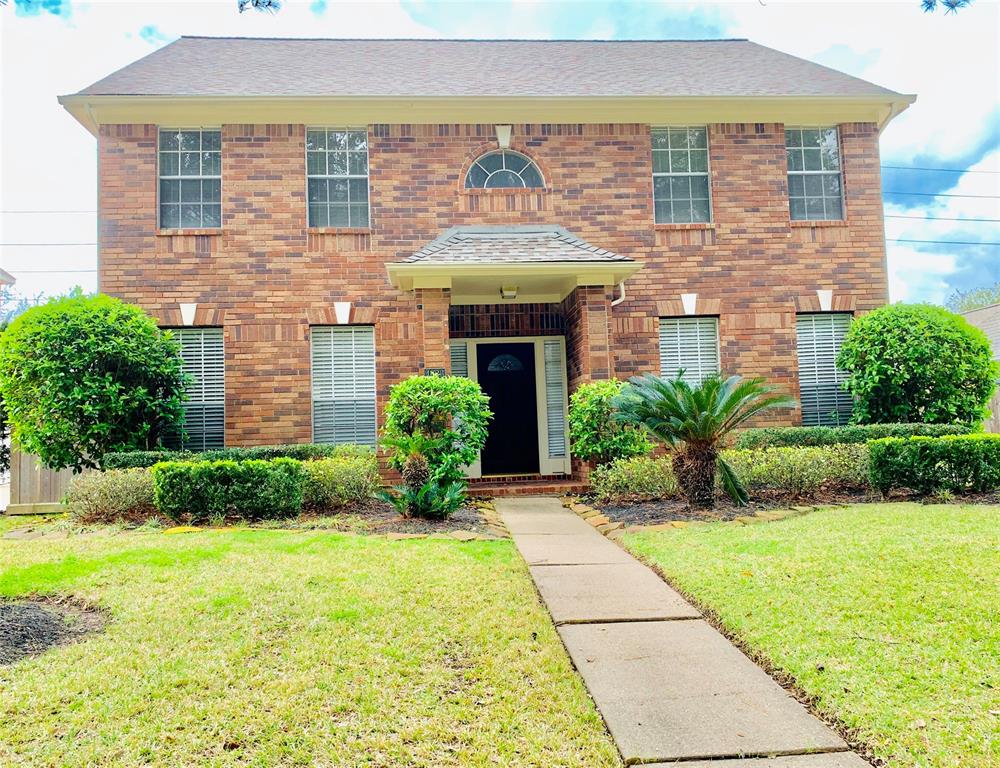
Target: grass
268, 648
887, 615
10, 522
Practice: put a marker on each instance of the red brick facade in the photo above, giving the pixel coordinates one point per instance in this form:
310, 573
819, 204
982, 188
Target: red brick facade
266, 277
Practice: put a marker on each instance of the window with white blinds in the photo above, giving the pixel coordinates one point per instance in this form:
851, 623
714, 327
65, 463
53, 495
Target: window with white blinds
555, 397
691, 345
819, 338
343, 384
204, 410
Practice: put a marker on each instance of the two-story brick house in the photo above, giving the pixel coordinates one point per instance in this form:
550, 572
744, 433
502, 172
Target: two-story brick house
320, 219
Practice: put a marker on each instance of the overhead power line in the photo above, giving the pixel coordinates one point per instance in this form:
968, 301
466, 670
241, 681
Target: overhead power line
938, 170
80, 211
939, 242
937, 194
47, 271
936, 218
38, 245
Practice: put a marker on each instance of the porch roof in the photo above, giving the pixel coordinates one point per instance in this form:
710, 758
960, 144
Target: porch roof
538, 263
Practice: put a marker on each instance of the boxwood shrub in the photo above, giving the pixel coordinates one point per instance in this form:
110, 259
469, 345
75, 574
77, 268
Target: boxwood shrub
956, 463
766, 437
802, 471
302, 452
255, 489
341, 480
116, 496
640, 478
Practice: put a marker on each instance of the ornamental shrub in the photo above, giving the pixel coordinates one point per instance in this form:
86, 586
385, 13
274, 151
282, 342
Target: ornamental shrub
302, 452
117, 496
84, 375
765, 437
196, 491
336, 482
639, 478
802, 471
450, 411
917, 363
594, 432
955, 463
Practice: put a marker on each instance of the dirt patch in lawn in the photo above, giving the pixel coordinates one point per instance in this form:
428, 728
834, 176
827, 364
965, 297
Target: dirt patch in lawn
30, 627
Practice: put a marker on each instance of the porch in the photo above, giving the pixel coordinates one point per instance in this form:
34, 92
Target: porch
526, 312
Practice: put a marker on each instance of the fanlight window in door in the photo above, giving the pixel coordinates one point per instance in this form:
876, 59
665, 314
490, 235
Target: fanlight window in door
503, 170
504, 363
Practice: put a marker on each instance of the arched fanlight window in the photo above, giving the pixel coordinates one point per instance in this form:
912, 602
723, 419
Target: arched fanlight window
503, 170
503, 363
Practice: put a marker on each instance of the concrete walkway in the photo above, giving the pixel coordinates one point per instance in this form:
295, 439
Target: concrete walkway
667, 684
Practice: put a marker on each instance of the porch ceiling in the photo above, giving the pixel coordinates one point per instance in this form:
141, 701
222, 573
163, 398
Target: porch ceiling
541, 263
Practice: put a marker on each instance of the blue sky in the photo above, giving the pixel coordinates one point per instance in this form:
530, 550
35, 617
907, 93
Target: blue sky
952, 63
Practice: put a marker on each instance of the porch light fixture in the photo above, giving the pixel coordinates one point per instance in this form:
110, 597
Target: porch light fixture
508, 292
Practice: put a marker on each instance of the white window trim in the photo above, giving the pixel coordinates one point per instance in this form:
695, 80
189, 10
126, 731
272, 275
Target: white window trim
366, 177
490, 174
160, 129
840, 171
707, 173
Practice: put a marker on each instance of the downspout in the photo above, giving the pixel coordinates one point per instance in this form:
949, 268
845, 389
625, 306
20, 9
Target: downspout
621, 297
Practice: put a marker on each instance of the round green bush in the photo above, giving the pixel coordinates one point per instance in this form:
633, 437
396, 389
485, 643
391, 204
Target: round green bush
84, 375
451, 412
595, 434
917, 363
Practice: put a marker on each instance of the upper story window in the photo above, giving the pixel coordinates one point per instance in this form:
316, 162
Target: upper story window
337, 170
680, 176
815, 187
503, 170
190, 178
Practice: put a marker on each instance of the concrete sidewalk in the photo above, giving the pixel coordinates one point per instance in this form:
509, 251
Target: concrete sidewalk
668, 685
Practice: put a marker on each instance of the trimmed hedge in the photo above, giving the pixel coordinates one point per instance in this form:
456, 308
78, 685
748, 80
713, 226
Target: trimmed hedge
640, 478
791, 472
802, 471
116, 496
768, 437
253, 489
301, 452
956, 463
341, 480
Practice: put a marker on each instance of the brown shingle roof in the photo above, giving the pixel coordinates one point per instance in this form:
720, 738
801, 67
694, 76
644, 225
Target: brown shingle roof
518, 244
206, 66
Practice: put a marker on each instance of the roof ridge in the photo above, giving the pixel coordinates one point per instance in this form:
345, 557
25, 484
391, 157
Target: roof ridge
472, 39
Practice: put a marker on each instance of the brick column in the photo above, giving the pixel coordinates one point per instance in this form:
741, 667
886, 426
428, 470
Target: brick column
588, 335
432, 309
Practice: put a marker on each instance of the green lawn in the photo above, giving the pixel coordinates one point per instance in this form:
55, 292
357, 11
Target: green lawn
889, 615
277, 648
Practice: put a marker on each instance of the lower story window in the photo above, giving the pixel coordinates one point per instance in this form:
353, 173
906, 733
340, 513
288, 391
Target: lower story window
689, 348
819, 338
204, 410
343, 384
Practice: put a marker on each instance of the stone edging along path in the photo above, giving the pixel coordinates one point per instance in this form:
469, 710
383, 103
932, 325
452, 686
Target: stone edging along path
668, 685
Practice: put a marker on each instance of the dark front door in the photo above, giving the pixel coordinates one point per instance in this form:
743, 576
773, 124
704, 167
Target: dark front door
507, 375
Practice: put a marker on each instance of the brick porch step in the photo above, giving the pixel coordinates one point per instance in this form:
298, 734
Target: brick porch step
521, 485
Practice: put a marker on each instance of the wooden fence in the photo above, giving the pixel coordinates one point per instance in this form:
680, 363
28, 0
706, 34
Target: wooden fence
35, 489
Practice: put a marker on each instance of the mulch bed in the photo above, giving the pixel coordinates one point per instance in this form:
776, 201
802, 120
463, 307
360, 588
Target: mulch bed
380, 518
30, 627
669, 510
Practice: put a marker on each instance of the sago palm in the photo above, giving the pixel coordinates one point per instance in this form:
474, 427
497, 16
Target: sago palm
694, 420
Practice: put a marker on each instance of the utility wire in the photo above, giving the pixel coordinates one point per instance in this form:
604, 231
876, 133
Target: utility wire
81, 211
940, 242
937, 194
47, 245
936, 218
940, 170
